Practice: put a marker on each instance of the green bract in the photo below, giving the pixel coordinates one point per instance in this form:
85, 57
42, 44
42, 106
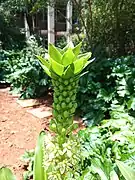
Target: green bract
65, 62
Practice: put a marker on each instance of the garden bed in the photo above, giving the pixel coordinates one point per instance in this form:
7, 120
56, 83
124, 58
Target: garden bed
18, 131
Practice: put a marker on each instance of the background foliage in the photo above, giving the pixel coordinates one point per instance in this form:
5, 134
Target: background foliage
22, 70
108, 25
107, 80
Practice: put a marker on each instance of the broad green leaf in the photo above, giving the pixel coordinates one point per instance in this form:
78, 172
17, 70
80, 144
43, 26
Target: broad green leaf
38, 171
69, 45
46, 69
68, 72
84, 55
43, 61
6, 174
96, 166
131, 103
87, 63
78, 65
76, 49
60, 50
113, 176
68, 57
56, 67
126, 171
54, 53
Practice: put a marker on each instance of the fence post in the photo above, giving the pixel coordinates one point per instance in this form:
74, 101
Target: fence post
69, 20
51, 22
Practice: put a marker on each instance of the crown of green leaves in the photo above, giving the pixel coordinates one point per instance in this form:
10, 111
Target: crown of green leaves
66, 62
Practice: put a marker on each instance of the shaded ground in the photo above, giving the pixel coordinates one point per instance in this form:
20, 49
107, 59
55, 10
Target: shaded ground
18, 132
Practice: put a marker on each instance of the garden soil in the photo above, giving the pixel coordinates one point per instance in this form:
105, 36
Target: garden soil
18, 132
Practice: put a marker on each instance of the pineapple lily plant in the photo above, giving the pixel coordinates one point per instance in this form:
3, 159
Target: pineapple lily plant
64, 66
62, 152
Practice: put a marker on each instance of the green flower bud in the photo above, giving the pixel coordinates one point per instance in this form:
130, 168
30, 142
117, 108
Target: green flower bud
61, 88
71, 93
61, 140
53, 83
59, 118
57, 83
58, 107
60, 98
66, 82
63, 105
56, 100
75, 105
69, 87
73, 97
63, 131
57, 93
66, 114
67, 99
70, 105
73, 84
60, 80
64, 93
71, 80
55, 113
72, 110
53, 105
53, 127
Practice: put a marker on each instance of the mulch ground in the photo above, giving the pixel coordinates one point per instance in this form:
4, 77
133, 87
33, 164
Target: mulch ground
18, 132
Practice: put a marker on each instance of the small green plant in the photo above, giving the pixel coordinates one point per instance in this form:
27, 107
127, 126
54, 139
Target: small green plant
6, 174
28, 157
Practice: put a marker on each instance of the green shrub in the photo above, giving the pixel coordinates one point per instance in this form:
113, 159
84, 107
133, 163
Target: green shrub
102, 145
10, 35
24, 73
106, 81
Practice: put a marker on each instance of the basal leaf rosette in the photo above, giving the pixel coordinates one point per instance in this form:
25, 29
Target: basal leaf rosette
66, 62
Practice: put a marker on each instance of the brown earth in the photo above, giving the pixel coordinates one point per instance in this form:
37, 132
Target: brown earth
18, 132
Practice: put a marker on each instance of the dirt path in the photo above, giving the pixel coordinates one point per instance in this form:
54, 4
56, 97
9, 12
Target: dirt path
18, 132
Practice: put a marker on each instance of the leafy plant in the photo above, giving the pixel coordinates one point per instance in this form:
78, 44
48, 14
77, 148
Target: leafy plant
24, 73
28, 157
106, 81
61, 157
6, 174
106, 25
104, 144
